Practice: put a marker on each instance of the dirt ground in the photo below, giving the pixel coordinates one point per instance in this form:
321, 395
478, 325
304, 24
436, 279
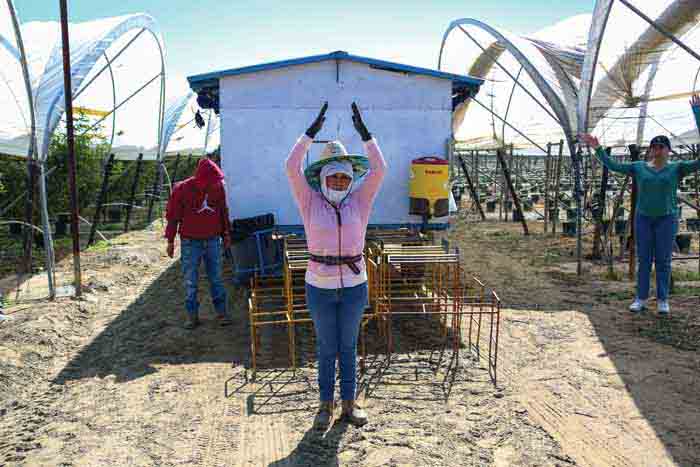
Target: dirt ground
114, 380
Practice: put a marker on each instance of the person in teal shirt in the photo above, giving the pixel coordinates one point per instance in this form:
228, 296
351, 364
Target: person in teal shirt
656, 217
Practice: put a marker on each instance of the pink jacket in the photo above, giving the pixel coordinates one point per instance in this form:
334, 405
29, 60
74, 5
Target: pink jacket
323, 235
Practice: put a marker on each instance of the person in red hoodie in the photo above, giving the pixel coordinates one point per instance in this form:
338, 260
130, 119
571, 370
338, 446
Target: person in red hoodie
197, 211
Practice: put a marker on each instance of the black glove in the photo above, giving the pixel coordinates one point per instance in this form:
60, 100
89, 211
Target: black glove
359, 124
318, 123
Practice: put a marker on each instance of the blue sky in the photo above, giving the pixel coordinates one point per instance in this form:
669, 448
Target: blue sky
208, 35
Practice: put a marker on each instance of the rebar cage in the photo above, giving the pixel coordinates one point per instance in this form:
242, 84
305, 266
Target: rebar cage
408, 276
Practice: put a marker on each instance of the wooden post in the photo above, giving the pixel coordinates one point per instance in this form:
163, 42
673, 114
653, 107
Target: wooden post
177, 163
697, 197
189, 163
475, 197
509, 164
101, 199
509, 183
598, 219
70, 143
618, 204
557, 182
477, 177
547, 204
634, 155
494, 178
29, 213
132, 196
499, 186
155, 190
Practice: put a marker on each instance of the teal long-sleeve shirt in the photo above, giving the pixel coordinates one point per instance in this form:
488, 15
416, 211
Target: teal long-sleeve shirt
656, 189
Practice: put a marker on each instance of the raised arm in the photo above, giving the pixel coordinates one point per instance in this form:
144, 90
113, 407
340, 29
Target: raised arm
300, 188
377, 164
607, 161
695, 105
688, 167
377, 170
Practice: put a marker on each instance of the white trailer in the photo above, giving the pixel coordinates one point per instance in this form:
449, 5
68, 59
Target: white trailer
265, 108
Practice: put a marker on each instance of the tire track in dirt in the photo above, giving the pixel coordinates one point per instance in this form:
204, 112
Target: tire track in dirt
216, 441
589, 446
263, 441
558, 361
578, 412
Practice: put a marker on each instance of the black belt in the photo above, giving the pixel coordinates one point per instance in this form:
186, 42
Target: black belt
349, 261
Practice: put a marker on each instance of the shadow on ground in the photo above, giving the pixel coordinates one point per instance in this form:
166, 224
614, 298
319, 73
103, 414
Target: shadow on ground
655, 360
148, 332
316, 448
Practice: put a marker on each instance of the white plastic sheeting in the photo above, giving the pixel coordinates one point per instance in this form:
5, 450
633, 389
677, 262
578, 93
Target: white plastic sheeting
612, 73
184, 137
15, 115
636, 81
91, 44
530, 83
180, 133
117, 76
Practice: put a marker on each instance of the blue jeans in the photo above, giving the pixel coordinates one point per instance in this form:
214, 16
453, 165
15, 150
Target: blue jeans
337, 314
192, 253
654, 238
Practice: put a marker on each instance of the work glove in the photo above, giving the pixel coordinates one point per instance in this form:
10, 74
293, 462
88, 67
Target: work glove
359, 124
318, 123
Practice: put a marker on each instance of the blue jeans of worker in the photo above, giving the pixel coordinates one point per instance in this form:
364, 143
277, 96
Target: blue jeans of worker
654, 239
193, 252
337, 314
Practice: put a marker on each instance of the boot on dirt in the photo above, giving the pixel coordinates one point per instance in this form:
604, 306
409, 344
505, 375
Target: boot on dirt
662, 308
353, 413
324, 416
192, 321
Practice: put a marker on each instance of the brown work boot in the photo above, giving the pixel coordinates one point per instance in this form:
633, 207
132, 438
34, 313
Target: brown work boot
324, 416
224, 320
192, 321
353, 413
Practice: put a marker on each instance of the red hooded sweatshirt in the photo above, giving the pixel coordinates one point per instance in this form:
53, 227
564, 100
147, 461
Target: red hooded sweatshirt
197, 206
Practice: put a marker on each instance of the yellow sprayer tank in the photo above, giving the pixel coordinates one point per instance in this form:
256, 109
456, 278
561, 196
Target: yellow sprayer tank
428, 187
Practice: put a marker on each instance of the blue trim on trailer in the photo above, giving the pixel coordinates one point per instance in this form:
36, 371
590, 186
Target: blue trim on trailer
208, 80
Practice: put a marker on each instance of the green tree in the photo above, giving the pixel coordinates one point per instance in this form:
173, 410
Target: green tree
91, 149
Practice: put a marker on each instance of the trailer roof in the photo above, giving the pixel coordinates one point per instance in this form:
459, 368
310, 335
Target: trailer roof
209, 82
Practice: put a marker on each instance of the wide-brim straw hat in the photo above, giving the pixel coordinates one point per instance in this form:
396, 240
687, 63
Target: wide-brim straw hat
335, 151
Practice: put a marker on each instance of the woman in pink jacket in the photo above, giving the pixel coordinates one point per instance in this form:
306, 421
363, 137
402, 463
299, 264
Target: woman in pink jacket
335, 209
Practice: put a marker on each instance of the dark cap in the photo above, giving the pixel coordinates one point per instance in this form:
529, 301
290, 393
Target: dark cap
660, 140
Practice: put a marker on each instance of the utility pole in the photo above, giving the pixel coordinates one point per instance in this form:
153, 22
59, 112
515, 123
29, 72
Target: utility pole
68, 92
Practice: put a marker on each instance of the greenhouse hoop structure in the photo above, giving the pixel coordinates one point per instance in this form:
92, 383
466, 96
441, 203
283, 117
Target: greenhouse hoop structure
614, 73
104, 87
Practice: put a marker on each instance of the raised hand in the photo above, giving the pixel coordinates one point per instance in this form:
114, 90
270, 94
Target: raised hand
590, 140
359, 124
318, 123
695, 101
